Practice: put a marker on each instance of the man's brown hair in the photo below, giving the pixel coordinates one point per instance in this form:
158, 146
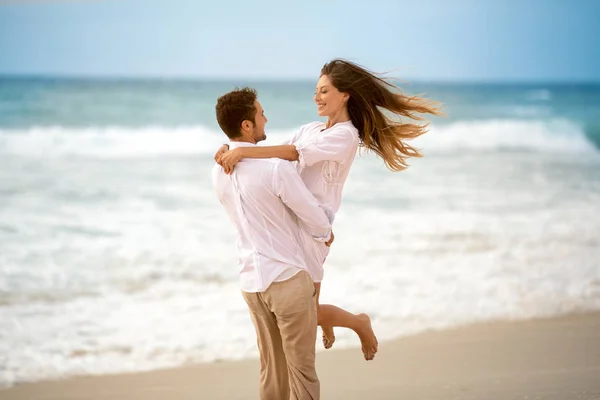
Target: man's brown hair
235, 107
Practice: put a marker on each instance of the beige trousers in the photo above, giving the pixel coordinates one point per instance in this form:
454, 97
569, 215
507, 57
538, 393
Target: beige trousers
285, 319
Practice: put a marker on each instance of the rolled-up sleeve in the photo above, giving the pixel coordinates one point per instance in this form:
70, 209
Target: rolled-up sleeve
335, 145
297, 134
291, 190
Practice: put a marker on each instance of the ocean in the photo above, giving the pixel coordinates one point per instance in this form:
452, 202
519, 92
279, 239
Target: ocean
116, 256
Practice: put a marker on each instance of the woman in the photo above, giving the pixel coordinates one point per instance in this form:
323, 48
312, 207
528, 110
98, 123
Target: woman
352, 98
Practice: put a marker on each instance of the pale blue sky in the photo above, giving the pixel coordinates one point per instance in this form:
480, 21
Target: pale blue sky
489, 40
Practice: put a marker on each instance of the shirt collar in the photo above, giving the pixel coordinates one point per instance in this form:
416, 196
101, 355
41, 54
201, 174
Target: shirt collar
235, 145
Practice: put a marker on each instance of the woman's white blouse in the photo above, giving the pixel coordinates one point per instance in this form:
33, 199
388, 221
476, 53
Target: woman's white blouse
325, 158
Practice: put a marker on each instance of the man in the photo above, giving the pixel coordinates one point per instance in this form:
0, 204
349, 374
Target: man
265, 199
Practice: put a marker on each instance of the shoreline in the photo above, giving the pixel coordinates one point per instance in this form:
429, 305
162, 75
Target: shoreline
552, 358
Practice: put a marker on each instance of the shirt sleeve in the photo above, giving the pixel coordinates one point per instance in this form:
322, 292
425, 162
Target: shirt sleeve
216, 170
336, 145
291, 190
296, 135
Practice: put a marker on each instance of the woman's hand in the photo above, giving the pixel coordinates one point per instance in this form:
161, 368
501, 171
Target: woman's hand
228, 159
222, 150
328, 244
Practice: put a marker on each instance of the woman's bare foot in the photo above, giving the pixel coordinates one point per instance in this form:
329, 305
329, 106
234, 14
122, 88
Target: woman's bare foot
367, 337
328, 336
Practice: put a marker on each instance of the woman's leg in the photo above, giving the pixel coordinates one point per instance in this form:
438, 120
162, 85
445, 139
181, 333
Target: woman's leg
330, 316
328, 335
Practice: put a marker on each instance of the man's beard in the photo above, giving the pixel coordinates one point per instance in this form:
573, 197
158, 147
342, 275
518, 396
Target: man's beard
262, 137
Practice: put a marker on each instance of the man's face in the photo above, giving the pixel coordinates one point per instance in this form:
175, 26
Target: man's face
260, 120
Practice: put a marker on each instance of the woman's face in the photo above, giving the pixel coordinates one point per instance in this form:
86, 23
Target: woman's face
329, 100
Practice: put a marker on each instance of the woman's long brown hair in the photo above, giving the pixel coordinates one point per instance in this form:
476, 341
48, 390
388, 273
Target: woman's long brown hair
370, 96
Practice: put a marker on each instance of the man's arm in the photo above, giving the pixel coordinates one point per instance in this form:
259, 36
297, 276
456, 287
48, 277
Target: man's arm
291, 190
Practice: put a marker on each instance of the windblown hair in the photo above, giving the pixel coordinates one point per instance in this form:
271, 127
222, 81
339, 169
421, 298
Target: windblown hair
370, 96
235, 107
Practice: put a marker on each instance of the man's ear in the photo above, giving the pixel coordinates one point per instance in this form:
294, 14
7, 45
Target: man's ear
246, 125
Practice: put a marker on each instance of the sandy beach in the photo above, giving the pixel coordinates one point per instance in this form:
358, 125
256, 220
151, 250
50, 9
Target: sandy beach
557, 358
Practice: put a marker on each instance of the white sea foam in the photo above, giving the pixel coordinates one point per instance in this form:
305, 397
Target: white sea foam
127, 265
549, 136
544, 136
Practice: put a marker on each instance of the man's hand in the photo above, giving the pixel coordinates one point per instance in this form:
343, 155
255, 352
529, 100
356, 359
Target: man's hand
228, 159
222, 150
328, 244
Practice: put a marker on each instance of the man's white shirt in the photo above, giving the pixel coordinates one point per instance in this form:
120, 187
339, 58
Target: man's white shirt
264, 199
